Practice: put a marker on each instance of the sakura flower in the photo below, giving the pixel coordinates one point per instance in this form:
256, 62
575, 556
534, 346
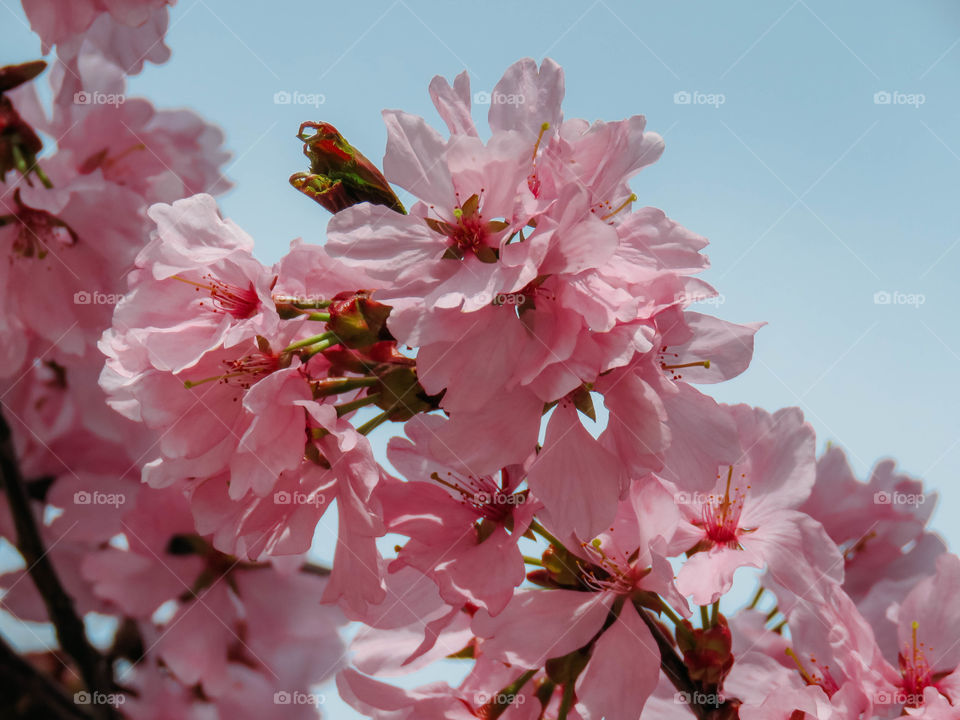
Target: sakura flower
56, 240
163, 155
874, 522
463, 530
748, 518
382, 701
616, 575
846, 664
124, 33
929, 651
340, 467
197, 287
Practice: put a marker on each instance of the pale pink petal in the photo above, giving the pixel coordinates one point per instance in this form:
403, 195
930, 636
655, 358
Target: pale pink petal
623, 670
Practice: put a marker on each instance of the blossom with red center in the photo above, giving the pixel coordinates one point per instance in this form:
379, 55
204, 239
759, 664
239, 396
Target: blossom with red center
196, 287
618, 571
61, 259
747, 517
927, 624
463, 528
880, 540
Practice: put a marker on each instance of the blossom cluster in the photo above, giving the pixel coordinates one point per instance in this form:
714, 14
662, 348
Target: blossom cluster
566, 508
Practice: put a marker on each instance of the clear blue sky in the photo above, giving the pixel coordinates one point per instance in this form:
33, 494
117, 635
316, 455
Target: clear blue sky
814, 196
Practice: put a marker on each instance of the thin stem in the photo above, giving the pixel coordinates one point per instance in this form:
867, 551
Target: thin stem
326, 339
714, 613
756, 598
314, 569
336, 386
671, 663
319, 316
567, 701
773, 613
97, 673
347, 407
546, 535
506, 696
532, 561
704, 617
26, 692
375, 422
676, 619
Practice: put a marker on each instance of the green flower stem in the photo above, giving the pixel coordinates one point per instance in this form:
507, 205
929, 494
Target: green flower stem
546, 535
356, 404
375, 422
676, 619
346, 384
323, 341
501, 703
566, 702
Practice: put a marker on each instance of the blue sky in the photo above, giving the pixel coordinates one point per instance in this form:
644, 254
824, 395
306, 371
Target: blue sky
827, 176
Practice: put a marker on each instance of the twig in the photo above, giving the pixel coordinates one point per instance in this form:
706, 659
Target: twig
25, 692
672, 664
96, 672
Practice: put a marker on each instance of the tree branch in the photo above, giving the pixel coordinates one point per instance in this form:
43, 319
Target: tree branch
96, 671
27, 693
672, 664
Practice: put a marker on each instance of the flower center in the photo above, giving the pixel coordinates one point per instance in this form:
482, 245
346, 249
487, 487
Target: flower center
819, 675
242, 372
38, 230
916, 670
720, 515
468, 232
482, 494
617, 575
671, 368
533, 180
241, 303
607, 210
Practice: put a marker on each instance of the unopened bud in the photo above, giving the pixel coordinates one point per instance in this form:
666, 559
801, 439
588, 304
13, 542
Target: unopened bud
340, 175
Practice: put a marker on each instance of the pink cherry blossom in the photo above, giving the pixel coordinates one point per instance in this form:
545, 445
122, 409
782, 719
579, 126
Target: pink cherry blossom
463, 529
748, 517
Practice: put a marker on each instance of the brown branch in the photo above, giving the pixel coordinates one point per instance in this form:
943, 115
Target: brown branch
96, 671
672, 664
28, 694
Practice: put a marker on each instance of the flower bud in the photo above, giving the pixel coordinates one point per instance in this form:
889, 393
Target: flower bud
357, 320
340, 175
